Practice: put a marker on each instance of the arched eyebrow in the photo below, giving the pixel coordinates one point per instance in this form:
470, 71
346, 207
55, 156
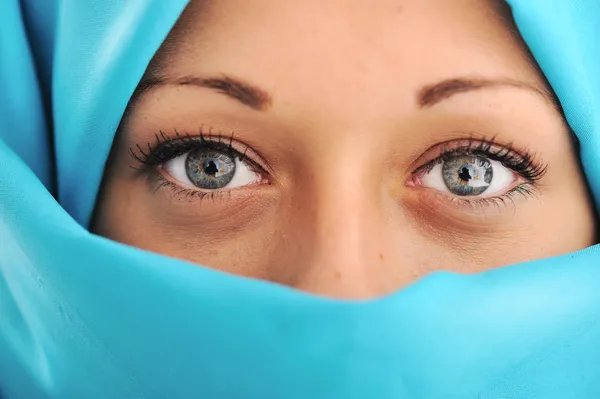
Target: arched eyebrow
244, 92
430, 95
260, 100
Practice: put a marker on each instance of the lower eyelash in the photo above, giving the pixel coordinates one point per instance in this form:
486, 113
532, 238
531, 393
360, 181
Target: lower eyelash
525, 164
178, 191
525, 189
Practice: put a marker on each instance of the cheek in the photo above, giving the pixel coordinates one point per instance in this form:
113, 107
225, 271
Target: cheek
230, 235
276, 237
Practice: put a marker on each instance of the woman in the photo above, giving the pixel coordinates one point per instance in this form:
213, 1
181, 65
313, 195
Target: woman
345, 151
357, 150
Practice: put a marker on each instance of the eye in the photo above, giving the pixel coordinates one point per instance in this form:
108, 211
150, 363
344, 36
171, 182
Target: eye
469, 175
211, 169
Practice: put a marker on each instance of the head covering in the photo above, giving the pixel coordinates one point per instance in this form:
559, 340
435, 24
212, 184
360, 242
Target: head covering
85, 317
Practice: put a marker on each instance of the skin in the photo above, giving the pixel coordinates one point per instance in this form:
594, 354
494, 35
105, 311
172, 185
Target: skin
346, 110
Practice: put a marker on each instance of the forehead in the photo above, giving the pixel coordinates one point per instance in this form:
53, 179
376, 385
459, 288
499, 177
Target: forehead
274, 21
350, 46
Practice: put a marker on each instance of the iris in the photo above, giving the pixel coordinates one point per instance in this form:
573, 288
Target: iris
210, 169
467, 175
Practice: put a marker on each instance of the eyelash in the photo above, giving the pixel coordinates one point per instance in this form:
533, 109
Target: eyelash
165, 149
526, 164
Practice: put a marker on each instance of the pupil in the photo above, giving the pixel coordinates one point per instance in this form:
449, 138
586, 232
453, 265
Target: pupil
464, 174
210, 168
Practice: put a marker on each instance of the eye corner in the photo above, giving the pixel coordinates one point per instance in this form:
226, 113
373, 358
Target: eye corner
413, 180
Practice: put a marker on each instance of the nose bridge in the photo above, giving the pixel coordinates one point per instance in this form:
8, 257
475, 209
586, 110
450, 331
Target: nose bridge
345, 222
345, 228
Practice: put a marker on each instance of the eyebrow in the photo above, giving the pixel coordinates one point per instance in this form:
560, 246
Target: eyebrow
237, 89
258, 99
431, 95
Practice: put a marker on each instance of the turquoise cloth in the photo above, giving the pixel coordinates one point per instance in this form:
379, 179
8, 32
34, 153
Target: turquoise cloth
84, 317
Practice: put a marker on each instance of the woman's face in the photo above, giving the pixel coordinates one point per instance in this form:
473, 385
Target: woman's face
345, 149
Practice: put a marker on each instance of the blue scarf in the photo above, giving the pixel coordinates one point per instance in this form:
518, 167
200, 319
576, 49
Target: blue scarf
85, 317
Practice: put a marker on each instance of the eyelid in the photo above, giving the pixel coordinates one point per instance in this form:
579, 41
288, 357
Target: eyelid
439, 149
166, 147
417, 180
167, 172
523, 162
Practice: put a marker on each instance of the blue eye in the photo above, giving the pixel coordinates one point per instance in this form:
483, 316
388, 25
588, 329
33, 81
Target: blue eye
469, 175
211, 169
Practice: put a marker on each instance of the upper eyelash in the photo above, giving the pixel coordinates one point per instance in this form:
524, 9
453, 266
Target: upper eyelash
525, 164
165, 149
